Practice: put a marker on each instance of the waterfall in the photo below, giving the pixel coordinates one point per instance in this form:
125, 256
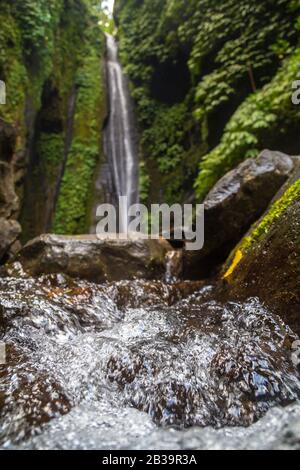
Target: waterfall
119, 140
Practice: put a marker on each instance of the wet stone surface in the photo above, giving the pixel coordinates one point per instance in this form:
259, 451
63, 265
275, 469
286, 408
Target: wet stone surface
140, 364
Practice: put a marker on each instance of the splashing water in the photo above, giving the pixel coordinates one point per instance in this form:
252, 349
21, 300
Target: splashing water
136, 365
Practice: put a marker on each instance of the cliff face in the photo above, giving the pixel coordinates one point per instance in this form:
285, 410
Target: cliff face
212, 85
9, 204
50, 134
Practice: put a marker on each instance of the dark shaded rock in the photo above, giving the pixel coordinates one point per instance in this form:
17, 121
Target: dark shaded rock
7, 141
233, 205
9, 232
8, 198
293, 178
34, 400
9, 203
87, 257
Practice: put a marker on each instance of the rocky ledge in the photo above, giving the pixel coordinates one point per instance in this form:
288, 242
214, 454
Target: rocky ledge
97, 260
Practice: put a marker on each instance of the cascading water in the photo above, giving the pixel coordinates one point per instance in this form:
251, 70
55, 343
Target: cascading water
119, 140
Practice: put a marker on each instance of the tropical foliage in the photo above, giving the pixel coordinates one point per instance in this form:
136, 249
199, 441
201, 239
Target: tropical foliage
192, 65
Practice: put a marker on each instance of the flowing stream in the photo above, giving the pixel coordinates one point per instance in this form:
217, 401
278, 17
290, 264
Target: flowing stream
140, 365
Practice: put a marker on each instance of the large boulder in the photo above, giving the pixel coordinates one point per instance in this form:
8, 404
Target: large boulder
96, 260
233, 205
266, 263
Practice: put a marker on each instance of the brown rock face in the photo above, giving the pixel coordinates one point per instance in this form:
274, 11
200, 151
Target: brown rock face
7, 141
8, 197
233, 205
9, 232
9, 203
87, 257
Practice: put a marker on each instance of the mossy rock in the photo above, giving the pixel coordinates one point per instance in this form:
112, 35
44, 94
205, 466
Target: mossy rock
266, 264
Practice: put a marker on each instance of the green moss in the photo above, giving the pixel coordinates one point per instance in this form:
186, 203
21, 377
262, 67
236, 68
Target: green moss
30, 39
71, 217
276, 211
164, 139
60, 47
50, 155
262, 228
42, 187
76, 190
144, 183
12, 71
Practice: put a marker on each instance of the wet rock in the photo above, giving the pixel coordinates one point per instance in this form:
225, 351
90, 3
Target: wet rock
267, 261
9, 232
29, 399
138, 294
235, 203
93, 259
